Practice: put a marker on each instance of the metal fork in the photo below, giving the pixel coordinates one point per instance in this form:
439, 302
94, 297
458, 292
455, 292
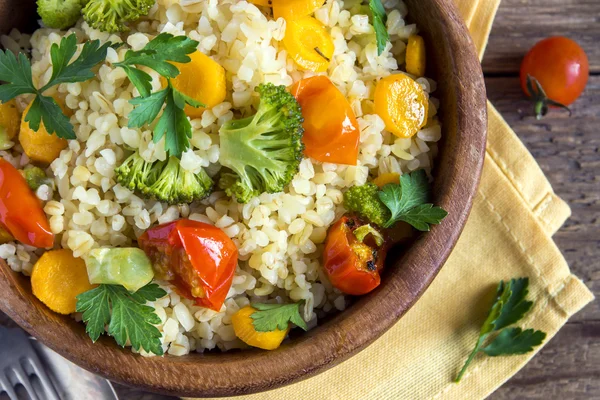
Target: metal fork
19, 364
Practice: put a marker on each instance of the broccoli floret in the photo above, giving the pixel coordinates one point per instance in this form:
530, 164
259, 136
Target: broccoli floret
112, 15
364, 200
263, 151
164, 181
36, 177
60, 14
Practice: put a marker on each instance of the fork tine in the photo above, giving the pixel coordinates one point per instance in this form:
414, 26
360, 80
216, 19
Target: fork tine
6, 385
24, 380
50, 391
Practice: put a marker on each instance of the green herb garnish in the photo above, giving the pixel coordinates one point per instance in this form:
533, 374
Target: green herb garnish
276, 316
16, 72
157, 55
173, 124
379, 21
407, 202
125, 313
509, 307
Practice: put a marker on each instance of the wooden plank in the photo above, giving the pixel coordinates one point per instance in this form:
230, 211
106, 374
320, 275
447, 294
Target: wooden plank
521, 23
568, 368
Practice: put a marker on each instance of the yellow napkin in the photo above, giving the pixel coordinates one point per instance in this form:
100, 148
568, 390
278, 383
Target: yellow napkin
508, 235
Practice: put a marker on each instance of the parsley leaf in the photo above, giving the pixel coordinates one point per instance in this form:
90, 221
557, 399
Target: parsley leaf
147, 108
276, 316
407, 202
514, 341
172, 123
516, 305
16, 72
423, 215
80, 70
509, 307
126, 314
379, 21
17, 75
45, 109
157, 55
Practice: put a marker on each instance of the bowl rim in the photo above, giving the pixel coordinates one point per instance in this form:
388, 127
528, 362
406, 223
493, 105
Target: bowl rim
251, 371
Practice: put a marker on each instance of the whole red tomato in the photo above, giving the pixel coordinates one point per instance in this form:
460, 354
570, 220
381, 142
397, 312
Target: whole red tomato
554, 73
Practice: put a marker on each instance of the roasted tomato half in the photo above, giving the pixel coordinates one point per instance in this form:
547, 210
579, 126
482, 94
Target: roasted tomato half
354, 255
198, 258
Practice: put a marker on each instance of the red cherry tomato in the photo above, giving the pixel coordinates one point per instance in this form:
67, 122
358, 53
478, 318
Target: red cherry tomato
560, 67
351, 265
20, 211
198, 258
331, 132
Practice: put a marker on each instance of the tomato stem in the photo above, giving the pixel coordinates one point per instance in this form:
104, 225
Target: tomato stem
541, 100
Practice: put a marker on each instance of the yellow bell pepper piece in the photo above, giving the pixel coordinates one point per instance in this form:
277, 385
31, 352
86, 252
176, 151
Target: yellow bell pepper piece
39, 145
9, 122
384, 179
402, 104
202, 79
244, 329
58, 278
416, 57
295, 9
309, 44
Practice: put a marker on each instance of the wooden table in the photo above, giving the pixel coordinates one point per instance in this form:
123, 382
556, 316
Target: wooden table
567, 149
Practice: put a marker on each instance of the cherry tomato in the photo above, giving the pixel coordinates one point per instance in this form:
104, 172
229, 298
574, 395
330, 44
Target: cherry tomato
21, 213
198, 258
331, 132
352, 265
554, 73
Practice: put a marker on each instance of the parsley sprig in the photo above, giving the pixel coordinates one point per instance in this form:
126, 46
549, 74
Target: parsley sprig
379, 20
157, 55
276, 316
126, 314
407, 202
509, 307
172, 124
16, 72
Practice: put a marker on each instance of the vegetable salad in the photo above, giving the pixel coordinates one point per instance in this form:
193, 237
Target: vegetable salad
183, 176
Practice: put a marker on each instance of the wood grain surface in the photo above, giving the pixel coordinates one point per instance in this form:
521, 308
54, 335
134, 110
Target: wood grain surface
568, 367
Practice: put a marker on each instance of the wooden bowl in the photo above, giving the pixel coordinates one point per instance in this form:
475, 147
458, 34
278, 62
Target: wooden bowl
454, 64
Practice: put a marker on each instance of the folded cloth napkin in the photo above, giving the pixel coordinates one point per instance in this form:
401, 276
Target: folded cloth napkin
508, 235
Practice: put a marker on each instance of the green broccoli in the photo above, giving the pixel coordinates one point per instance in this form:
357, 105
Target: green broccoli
112, 15
364, 200
36, 177
162, 180
60, 14
264, 150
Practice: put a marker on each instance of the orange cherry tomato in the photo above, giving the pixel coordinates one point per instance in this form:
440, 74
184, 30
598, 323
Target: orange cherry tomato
20, 210
351, 265
561, 68
198, 258
331, 132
